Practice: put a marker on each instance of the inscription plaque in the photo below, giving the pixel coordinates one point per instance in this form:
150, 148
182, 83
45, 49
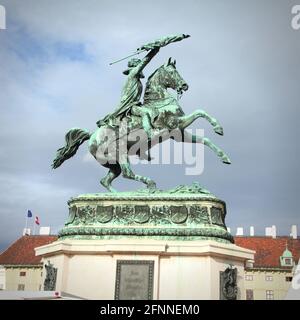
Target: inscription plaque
134, 280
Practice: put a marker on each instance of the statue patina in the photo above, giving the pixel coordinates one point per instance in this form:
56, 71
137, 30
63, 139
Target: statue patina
228, 284
158, 118
50, 279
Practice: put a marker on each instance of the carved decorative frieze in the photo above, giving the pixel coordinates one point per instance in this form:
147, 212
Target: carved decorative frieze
216, 215
179, 214
104, 214
141, 214
199, 214
171, 215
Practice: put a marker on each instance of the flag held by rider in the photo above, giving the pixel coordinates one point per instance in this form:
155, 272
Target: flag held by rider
157, 43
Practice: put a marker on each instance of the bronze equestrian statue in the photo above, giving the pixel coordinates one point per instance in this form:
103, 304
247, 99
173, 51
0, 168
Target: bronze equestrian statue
134, 127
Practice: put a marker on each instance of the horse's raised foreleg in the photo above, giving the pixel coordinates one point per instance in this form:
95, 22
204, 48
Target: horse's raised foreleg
185, 121
191, 138
129, 174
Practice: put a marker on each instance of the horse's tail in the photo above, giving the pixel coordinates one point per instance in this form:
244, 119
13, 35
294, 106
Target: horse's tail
74, 138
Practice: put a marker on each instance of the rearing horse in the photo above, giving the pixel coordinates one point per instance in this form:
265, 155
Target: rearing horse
112, 144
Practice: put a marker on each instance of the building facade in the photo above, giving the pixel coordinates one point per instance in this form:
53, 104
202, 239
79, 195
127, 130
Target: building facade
2, 278
270, 276
20, 268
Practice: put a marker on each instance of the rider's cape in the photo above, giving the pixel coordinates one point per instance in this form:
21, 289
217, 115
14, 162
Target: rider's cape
131, 95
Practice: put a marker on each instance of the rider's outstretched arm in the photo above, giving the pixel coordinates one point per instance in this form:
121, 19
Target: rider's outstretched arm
147, 59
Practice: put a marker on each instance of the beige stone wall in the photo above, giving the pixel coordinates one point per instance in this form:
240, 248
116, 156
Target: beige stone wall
182, 269
219, 264
175, 277
2, 278
32, 280
260, 285
184, 276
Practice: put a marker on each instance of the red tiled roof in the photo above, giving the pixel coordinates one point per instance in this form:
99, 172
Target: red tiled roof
21, 252
269, 250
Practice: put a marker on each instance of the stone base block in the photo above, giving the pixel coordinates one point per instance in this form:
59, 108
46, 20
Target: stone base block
144, 268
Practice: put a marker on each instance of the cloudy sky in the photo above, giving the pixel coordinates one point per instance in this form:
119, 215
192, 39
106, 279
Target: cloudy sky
242, 66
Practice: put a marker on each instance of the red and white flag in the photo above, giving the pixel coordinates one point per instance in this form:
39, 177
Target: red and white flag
37, 220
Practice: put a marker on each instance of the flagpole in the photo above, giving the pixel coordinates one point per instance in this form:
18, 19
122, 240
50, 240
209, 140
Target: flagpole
131, 55
26, 224
33, 227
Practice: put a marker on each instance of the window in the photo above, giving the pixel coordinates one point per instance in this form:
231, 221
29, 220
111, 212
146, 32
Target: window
41, 273
248, 277
270, 295
288, 261
288, 279
21, 287
22, 274
40, 287
269, 278
249, 294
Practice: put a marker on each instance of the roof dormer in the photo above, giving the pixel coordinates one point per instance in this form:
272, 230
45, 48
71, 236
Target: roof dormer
287, 259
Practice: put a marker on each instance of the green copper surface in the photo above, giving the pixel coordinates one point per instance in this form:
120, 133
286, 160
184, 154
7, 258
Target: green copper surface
182, 213
156, 118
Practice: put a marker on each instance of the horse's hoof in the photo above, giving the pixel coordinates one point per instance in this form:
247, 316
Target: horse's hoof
108, 187
219, 130
151, 186
226, 160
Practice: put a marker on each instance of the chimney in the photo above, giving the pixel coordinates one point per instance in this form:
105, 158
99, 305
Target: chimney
26, 232
271, 232
268, 231
239, 231
44, 231
294, 232
251, 231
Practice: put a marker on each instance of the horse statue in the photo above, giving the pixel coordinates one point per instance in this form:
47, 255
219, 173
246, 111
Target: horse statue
112, 143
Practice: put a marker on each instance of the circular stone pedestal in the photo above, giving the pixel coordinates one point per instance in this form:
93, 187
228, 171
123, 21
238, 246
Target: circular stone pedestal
184, 213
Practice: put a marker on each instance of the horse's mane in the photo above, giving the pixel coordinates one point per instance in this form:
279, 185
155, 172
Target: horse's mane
148, 88
154, 72
158, 69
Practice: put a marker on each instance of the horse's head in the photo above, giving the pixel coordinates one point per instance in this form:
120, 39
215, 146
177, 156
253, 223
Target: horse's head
166, 76
171, 78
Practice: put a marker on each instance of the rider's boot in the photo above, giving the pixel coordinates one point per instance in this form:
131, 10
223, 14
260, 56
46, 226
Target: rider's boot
147, 125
